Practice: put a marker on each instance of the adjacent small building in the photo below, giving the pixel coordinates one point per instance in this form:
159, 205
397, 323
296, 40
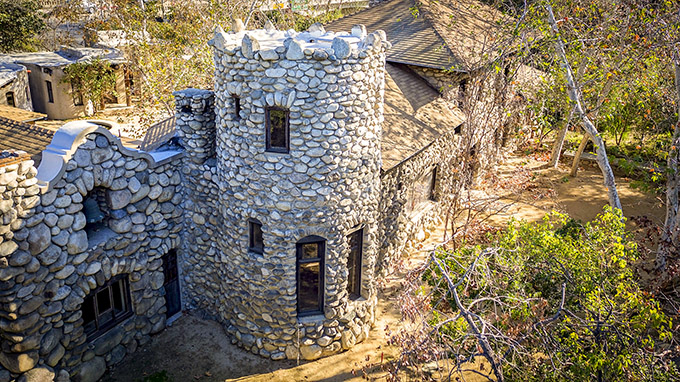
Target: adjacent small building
50, 94
14, 91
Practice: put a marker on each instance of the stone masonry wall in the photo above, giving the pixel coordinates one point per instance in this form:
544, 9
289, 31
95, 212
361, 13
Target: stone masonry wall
49, 266
444, 82
19, 86
326, 185
195, 116
397, 226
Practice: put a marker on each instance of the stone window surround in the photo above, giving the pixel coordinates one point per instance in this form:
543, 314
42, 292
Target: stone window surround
116, 320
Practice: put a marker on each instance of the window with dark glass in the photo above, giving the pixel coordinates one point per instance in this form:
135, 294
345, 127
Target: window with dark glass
310, 275
50, 95
77, 94
237, 106
10, 99
277, 129
106, 306
356, 244
256, 243
422, 190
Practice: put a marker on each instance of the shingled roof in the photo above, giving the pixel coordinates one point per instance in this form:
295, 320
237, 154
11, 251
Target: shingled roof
443, 34
32, 139
415, 115
414, 39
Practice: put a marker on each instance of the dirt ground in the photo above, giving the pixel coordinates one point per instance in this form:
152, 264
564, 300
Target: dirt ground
193, 349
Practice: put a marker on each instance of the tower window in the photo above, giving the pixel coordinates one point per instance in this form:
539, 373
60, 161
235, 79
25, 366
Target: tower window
310, 275
356, 250
106, 306
255, 236
50, 94
237, 106
10, 99
277, 126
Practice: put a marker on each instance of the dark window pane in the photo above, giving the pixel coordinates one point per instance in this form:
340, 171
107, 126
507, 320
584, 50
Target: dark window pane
310, 251
308, 288
50, 95
256, 241
277, 125
170, 271
237, 106
89, 315
104, 306
10, 99
354, 263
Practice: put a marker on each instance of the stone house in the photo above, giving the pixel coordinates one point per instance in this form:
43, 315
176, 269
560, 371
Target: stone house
14, 90
59, 100
283, 195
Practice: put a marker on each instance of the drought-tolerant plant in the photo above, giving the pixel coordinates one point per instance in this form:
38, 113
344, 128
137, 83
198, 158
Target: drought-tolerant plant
543, 302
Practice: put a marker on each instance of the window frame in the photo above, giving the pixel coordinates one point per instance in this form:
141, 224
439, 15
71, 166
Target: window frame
100, 329
11, 99
237, 106
252, 223
50, 91
267, 119
321, 259
356, 293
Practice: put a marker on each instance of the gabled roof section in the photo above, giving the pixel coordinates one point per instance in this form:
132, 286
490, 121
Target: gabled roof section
440, 34
414, 40
16, 136
472, 30
415, 115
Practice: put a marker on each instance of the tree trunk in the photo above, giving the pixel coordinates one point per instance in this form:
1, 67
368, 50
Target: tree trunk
557, 146
577, 155
575, 96
669, 237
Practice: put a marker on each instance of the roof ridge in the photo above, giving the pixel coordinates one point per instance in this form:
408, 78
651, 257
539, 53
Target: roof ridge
433, 25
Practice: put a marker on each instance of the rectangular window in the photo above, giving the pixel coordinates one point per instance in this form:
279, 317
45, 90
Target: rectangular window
77, 94
310, 276
50, 95
277, 129
106, 306
237, 107
256, 243
10, 99
422, 190
356, 250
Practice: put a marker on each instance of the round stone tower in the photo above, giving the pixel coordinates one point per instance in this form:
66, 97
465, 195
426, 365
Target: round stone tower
298, 157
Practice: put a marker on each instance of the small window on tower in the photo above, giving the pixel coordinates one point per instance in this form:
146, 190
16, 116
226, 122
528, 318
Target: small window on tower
50, 94
277, 129
256, 242
237, 106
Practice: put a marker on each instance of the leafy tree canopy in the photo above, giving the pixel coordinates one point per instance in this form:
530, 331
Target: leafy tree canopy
20, 21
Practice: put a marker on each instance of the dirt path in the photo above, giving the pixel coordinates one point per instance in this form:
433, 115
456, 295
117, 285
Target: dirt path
193, 349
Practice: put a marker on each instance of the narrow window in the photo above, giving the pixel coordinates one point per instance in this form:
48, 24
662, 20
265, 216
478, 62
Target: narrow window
237, 106
10, 99
77, 94
277, 129
356, 244
310, 275
106, 306
255, 236
462, 93
422, 190
50, 95
173, 302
